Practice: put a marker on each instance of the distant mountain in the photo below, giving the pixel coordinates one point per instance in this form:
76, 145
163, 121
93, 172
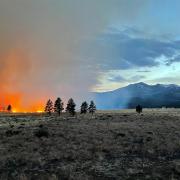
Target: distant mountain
149, 96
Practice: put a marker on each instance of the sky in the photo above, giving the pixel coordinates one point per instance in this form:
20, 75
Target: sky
68, 48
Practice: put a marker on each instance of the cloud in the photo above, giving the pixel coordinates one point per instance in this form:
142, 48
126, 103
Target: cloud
136, 78
145, 71
175, 59
121, 79
127, 48
116, 78
165, 80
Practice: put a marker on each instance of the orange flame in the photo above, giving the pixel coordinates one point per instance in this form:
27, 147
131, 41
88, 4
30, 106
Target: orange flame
15, 71
15, 100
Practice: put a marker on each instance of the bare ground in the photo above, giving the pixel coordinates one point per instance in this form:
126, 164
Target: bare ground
109, 146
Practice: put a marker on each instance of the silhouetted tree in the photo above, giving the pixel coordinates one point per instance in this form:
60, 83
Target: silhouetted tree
84, 107
9, 108
58, 106
70, 108
49, 107
139, 109
92, 107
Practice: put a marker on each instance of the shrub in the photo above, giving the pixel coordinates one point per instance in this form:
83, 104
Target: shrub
139, 109
10, 133
42, 132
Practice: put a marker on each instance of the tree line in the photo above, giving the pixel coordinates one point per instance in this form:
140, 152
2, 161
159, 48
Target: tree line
58, 107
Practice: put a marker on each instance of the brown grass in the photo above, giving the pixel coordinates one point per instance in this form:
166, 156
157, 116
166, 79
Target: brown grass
110, 145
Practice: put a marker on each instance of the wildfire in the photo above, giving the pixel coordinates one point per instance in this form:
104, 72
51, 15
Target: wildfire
39, 111
19, 106
15, 85
14, 111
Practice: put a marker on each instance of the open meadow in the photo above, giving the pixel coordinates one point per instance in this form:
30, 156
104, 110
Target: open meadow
110, 145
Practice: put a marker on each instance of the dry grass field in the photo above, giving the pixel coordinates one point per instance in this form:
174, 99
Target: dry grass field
111, 145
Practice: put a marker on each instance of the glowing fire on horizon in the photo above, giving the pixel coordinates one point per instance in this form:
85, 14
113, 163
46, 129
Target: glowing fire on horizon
15, 85
17, 104
14, 110
39, 111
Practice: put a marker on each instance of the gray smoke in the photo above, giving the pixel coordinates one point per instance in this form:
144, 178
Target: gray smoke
40, 50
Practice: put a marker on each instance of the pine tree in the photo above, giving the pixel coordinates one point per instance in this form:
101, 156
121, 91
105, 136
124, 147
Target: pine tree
58, 106
84, 107
92, 107
139, 109
49, 107
70, 108
9, 108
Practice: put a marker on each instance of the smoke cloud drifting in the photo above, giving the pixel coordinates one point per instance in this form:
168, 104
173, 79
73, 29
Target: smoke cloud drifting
40, 49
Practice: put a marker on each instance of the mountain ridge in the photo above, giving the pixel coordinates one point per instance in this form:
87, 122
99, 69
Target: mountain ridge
149, 96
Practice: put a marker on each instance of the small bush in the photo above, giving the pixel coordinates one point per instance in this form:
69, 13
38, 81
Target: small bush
10, 133
40, 126
139, 109
42, 132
